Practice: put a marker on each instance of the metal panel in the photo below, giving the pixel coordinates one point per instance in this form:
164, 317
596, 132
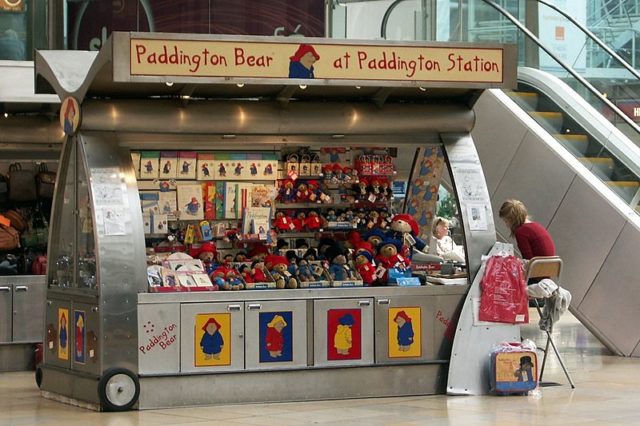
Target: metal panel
471, 191
159, 338
495, 149
268, 118
79, 387
262, 350
86, 323
17, 357
446, 315
56, 340
121, 262
28, 312
330, 348
537, 177
6, 310
584, 229
468, 366
223, 353
616, 320
393, 342
299, 385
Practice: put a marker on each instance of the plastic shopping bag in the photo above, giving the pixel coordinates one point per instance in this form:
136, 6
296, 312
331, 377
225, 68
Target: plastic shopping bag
504, 292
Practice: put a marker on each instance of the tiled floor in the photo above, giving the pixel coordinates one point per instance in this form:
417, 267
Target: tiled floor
607, 393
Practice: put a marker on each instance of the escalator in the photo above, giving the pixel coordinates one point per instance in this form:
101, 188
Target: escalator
559, 142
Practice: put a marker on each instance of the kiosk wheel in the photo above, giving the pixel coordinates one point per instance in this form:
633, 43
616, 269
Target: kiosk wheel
38, 376
118, 389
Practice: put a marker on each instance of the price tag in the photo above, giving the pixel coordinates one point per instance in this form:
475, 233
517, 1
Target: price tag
372, 198
51, 344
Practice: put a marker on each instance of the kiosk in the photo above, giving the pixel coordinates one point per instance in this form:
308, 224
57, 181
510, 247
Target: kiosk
113, 344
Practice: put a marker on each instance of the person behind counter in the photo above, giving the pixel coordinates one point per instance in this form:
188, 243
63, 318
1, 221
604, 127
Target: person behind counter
532, 238
442, 244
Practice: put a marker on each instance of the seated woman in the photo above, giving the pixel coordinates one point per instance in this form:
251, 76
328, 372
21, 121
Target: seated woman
442, 244
532, 238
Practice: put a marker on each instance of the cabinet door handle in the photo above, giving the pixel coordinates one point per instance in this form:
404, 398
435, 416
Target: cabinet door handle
22, 288
254, 306
5, 288
233, 308
364, 303
383, 301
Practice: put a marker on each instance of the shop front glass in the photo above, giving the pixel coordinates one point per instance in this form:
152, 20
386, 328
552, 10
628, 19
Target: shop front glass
23, 27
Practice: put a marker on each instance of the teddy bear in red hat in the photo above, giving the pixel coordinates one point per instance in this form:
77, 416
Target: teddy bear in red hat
278, 266
404, 227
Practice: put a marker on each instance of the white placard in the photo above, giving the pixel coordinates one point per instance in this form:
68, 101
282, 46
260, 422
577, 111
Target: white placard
113, 219
477, 217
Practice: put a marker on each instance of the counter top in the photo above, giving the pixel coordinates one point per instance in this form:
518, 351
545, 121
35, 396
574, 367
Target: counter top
23, 279
314, 293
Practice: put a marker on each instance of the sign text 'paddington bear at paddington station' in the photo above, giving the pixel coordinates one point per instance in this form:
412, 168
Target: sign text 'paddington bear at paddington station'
256, 59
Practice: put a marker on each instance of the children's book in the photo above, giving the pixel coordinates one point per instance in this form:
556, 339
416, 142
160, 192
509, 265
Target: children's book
168, 164
190, 202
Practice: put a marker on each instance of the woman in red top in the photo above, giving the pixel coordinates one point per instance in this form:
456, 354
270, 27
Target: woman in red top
532, 238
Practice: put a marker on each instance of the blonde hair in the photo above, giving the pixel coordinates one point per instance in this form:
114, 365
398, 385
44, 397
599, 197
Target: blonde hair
437, 221
514, 213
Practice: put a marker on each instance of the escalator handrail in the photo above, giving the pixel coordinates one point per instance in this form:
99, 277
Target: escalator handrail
567, 68
593, 37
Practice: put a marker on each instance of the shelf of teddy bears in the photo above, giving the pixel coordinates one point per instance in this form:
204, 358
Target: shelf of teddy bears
202, 210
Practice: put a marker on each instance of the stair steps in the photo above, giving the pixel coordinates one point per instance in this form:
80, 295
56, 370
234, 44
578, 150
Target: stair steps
575, 143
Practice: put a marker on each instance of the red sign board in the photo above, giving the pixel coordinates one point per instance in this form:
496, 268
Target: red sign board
630, 108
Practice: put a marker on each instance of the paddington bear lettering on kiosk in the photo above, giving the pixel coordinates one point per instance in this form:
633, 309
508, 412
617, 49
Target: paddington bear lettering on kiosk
173, 55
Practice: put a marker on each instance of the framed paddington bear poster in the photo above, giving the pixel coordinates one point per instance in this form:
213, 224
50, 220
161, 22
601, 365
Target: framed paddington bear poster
404, 332
276, 336
212, 340
344, 334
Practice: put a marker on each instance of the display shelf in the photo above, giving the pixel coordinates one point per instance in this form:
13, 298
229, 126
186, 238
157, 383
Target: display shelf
366, 204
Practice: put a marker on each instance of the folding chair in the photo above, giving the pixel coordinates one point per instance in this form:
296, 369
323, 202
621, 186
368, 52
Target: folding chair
547, 267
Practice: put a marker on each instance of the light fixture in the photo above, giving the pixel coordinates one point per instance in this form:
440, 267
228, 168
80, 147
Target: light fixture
358, 87
228, 136
337, 136
185, 97
303, 86
240, 84
422, 89
6, 115
169, 83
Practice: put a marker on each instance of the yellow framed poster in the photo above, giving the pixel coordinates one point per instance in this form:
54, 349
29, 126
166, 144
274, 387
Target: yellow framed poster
212, 340
63, 334
404, 332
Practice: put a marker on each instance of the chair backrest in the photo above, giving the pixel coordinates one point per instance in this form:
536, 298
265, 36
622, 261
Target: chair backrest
545, 266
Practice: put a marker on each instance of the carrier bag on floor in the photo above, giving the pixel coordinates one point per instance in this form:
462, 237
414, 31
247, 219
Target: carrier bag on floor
504, 292
514, 368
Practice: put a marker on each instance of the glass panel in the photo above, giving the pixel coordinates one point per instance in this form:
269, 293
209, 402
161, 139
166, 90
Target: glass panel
13, 33
86, 244
61, 250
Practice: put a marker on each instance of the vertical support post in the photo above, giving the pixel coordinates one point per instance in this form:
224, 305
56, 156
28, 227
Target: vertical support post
531, 51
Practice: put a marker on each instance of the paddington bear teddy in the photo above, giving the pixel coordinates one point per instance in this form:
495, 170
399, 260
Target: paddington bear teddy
283, 223
365, 267
278, 266
389, 257
207, 253
226, 278
404, 227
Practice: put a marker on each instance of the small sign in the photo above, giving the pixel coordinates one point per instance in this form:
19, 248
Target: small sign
12, 5
69, 115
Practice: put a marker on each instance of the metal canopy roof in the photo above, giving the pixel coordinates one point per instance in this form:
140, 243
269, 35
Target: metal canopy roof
88, 74
17, 93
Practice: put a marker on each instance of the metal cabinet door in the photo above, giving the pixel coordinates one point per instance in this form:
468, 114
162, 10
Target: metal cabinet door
212, 337
85, 326
404, 329
57, 334
276, 334
343, 332
28, 312
159, 338
6, 309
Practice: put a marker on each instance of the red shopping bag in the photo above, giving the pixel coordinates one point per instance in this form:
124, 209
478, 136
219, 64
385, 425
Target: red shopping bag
504, 292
